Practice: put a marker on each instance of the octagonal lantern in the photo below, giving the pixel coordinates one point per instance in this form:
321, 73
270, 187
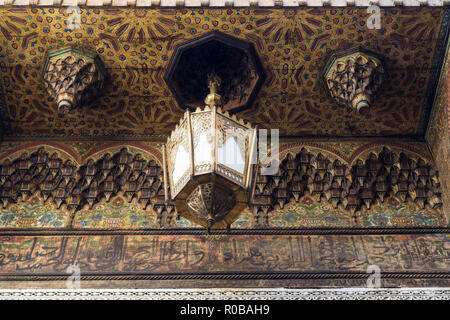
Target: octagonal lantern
208, 158
235, 61
73, 77
354, 78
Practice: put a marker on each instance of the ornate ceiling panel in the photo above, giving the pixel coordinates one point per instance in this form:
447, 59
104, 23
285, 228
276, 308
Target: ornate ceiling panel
293, 45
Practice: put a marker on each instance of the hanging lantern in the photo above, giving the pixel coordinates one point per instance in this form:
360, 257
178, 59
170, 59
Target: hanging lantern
208, 158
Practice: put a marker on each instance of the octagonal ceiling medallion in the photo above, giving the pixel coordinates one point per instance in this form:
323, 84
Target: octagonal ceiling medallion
235, 61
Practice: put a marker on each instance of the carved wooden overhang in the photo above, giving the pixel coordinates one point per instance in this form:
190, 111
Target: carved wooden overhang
369, 180
293, 44
74, 187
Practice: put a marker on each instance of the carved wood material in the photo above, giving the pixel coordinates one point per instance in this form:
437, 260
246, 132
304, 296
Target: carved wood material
74, 187
368, 181
73, 78
354, 79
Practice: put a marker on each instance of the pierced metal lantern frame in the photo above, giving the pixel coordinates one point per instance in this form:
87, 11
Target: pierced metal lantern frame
195, 156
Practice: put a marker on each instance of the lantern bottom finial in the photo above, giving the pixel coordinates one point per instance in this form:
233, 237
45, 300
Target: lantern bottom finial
210, 202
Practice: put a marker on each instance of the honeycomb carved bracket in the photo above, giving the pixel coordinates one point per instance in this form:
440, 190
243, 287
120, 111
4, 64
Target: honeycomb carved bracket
73, 77
354, 79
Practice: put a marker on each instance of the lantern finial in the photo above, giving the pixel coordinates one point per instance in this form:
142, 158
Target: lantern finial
213, 82
213, 99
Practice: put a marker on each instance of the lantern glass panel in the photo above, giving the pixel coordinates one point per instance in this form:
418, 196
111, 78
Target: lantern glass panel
203, 150
232, 148
181, 164
230, 155
202, 139
179, 156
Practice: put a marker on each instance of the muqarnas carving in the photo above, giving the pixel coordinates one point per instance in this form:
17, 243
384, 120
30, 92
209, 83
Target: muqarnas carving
365, 183
368, 181
64, 183
73, 77
235, 61
354, 79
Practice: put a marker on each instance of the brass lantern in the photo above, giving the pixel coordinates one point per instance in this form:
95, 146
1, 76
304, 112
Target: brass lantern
208, 158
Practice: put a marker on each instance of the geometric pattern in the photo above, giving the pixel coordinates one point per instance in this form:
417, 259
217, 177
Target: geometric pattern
316, 178
292, 44
230, 294
215, 3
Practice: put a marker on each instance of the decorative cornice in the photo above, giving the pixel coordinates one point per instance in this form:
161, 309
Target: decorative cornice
371, 179
231, 294
350, 275
227, 3
230, 232
75, 186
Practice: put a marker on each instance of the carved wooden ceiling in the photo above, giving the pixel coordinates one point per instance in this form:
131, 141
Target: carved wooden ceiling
293, 45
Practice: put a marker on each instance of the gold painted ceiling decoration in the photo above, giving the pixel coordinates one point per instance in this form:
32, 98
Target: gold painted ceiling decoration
353, 79
73, 78
293, 45
228, 3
